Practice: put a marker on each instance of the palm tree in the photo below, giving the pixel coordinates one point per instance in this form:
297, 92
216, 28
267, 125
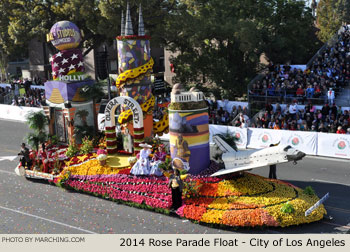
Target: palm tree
83, 130
230, 139
82, 114
34, 139
93, 92
36, 121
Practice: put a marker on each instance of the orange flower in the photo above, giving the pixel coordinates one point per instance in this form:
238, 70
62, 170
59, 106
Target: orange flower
246, 217
194, 212
208, 189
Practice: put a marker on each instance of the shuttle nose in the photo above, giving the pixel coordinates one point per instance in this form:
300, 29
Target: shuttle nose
298, 155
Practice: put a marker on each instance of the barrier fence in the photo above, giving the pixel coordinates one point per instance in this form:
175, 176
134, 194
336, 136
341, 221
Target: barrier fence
17, 113
312, 143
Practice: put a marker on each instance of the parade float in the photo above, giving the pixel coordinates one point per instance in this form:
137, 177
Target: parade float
102, 168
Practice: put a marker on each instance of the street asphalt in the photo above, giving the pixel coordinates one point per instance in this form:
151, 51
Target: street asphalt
29, 207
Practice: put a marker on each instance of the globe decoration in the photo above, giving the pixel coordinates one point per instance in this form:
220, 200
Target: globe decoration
64, 35
265, 138
295, 141
341, 145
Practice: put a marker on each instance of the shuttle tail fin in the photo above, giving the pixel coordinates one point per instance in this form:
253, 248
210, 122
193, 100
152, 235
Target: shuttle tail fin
222, 144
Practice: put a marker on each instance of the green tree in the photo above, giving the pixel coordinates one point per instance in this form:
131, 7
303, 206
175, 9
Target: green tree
93, 92
219, 42
83, 114
154, 12
330, 17
33, 19
343, 7
83, 130
36, 121
291, 34
8, 49
99, 20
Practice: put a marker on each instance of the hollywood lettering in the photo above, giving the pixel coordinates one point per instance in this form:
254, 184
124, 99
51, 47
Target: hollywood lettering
71, 77
60, 41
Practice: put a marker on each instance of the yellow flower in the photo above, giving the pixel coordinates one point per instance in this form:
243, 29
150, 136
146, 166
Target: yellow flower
212, 216
92, 167
81, 158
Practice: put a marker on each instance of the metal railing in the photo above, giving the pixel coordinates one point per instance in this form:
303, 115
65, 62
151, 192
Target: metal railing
7, 99
256, 116
250, 84
259, 100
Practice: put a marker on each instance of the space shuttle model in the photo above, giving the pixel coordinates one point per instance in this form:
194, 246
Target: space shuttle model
250, 159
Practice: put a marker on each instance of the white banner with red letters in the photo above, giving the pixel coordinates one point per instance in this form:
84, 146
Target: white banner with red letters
333, 145
305, 141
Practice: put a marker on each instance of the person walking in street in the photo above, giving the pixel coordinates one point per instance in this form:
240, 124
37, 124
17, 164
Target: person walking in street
25, 159
176, 185
272, 173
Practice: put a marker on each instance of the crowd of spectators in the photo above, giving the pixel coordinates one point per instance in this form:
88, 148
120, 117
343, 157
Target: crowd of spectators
328, 73
237, 117
4, 91
31, 97
328, 119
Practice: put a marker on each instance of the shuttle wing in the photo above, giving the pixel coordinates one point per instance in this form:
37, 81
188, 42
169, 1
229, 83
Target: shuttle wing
240, 168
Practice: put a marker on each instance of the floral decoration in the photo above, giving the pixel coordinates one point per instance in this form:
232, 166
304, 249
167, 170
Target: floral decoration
249, 200
239, 201
152, 192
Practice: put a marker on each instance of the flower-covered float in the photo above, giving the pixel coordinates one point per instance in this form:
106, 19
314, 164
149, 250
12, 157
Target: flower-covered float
242, 199
101, 167
239, 199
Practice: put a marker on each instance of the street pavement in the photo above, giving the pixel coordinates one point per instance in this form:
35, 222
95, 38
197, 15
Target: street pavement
29, 207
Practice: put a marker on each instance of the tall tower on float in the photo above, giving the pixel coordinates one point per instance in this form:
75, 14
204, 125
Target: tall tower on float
134, 79
66, 109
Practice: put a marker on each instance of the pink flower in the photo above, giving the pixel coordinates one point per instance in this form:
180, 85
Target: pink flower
101, 151
180, 211
151, 191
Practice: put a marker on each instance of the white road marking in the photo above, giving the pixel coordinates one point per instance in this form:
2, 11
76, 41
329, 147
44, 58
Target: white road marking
330, 182
9, 158
52, 221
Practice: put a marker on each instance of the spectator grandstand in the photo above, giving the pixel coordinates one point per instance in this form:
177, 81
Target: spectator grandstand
321, 81
309, 95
